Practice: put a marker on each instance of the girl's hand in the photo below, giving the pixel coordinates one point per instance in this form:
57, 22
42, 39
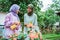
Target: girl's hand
41, 38
30, 25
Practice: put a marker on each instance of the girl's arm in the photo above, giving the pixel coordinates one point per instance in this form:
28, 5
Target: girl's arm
37, 28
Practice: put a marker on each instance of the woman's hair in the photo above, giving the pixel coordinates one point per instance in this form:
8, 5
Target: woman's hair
14, 8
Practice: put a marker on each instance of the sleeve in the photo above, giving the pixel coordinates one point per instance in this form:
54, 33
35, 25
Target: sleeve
35, 21
8, 21
36, 24
25, 21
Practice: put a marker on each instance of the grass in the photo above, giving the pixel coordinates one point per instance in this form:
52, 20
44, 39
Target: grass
51, 36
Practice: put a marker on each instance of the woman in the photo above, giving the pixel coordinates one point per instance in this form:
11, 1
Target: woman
30, 22
10, 20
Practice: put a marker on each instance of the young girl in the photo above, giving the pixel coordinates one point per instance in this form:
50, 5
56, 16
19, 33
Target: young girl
31, 24
12, 22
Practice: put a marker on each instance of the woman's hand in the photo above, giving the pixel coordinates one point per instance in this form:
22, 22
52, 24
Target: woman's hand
13, 27
14, 38
17, 23
10, 36
15, 34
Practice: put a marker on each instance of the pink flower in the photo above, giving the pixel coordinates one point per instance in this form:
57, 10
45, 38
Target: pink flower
30, 25
14, 38
36, 35
33, 35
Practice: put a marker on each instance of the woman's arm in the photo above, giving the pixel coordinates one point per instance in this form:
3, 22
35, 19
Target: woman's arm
25, 21
8, 21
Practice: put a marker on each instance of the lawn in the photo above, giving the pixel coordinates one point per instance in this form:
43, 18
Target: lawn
51, 37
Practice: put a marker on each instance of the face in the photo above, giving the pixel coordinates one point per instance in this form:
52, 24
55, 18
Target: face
17, 11
29, 10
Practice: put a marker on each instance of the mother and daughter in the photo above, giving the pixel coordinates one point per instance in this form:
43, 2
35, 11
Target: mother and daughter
12, 25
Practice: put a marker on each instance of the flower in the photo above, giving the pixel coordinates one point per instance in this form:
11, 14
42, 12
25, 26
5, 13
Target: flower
14, 38
30, 25
13, 27
33, 35
36, 35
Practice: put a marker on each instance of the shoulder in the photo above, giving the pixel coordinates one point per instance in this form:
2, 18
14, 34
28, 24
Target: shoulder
34, 14
8, 15
25, 14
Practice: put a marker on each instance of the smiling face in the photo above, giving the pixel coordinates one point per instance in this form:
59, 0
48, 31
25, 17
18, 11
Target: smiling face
29, 10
